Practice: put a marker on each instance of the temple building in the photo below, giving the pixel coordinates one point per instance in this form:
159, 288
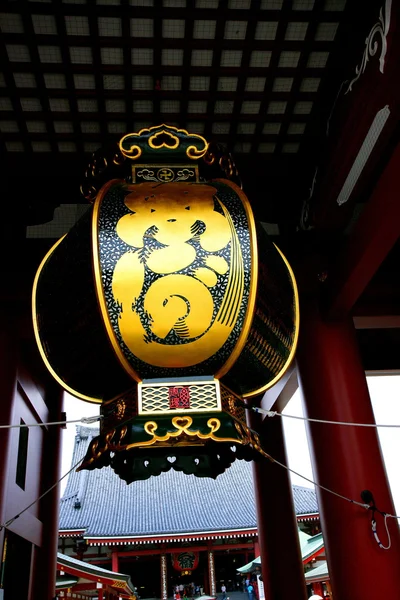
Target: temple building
147, 528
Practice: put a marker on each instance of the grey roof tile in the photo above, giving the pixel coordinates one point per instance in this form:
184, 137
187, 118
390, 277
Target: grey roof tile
171, 503
319, 572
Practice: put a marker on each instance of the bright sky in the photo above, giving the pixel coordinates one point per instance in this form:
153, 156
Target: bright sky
385, 397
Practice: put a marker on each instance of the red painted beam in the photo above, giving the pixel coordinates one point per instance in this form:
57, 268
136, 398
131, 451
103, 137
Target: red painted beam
314, 556
79, 587
77, 572
173, 538
373, 236
154, 552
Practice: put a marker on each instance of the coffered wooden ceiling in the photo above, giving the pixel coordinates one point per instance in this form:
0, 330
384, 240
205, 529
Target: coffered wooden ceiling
259, 76
262, 77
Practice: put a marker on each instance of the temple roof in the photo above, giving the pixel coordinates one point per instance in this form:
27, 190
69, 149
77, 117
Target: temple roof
172, 503
310, 546
320, 573
79, 572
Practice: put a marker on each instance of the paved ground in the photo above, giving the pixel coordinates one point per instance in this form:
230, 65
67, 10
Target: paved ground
230, 595
234, 596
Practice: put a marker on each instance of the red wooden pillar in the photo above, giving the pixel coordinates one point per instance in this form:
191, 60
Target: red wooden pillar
211, 573
318, 589
278, 538
114, 562
206, 577
164, 577
44, 564
8, 383
346, 460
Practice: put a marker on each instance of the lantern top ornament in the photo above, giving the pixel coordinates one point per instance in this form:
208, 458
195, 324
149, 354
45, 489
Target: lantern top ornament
153, 151
162, 144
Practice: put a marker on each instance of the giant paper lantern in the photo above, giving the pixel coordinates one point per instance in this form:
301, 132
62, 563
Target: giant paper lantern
185, 561
169, 305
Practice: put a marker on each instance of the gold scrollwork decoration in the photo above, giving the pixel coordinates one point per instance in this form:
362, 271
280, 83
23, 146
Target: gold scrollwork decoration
133, 153
194, 153
182, 425
251, 437
210, 156
94, 171
243, 431
96, 450
217, 153
88, 191
232, 405
99, 170
227, 164
124, 431
168, 137
165, 137
119, 410
118, 158
257, 446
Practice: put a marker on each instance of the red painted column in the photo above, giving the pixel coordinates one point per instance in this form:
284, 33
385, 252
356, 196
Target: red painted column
278, 537
8, 383
114, 562
43, 576
318, 589
346, 460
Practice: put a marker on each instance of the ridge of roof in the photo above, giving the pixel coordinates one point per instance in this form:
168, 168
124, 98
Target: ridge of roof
85, 566
320, 571
91, 570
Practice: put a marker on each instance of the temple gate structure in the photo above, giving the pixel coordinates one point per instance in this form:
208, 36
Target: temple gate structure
180, 529
304, 96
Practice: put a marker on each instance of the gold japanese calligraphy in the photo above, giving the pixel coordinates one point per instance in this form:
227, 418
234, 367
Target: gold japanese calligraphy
175, 236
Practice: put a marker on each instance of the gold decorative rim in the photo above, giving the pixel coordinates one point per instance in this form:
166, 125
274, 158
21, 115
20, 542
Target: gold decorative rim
135, 151
64, 385
181, 424
154, 137
248, 319
296, 334
98, 282
193, 153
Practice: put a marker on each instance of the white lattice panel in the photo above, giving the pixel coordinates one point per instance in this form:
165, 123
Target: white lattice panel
179, 397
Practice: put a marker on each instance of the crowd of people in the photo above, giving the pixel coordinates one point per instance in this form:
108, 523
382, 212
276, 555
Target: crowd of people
186, 591
191, 590
250, 586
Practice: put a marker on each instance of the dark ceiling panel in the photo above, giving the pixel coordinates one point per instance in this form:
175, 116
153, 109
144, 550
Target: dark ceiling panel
258, 76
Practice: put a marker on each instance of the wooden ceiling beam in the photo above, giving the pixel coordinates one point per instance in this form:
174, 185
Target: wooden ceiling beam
373, 237
377, 322
277, 397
